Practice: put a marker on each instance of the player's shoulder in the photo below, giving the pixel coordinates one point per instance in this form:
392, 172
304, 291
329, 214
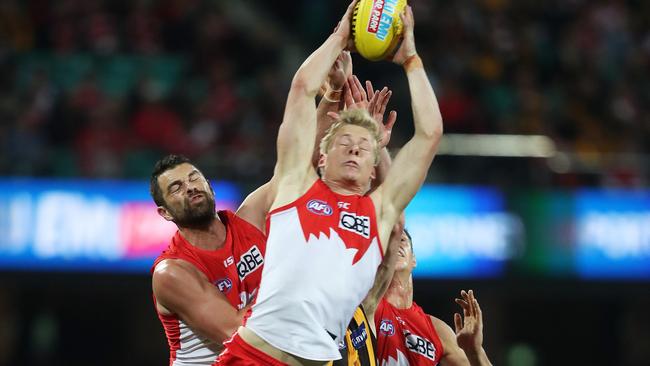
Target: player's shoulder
441, 327
236, 222
172, 272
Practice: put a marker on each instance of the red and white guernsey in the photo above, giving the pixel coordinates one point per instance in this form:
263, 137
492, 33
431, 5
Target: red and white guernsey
322, 254
235, 269
405, 336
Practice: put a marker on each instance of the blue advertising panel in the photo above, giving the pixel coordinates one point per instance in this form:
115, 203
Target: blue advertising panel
85, 225
461, 232
612, 234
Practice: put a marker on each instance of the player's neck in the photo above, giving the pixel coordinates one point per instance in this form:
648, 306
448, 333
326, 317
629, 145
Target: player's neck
345, 188
400, 291
208, 237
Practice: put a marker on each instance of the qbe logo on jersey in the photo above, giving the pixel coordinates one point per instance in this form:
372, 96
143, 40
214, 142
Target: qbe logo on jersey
249, 262
357, 224
417, 344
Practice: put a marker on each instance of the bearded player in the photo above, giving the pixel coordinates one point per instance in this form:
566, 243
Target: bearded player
326, 235
211, 270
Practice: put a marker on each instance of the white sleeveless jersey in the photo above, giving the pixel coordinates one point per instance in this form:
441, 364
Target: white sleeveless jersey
322, 254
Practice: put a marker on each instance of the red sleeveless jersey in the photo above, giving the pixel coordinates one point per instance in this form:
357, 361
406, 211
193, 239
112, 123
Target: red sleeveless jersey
235, 269
406, 336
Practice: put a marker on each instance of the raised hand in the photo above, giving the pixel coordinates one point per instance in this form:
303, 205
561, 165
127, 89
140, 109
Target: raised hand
469, 328
344, 27
407, 48
375, 101
338, 73
377, 107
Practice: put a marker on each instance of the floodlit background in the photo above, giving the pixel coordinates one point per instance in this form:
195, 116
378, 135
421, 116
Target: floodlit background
538, 199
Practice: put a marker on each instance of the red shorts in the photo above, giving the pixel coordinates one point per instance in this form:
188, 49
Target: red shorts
240, 353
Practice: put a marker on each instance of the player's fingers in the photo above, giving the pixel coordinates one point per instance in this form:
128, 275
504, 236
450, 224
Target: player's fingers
362, 92
458, 322
472, 301
350, 9
372, 104
333, 115
349, 99
479, 313
356, 94
465, 305
385, 97
392, 118
369, 89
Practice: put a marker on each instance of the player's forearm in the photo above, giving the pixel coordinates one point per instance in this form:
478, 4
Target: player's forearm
478, 357
329, 103
313, 72
426, 112
385, 162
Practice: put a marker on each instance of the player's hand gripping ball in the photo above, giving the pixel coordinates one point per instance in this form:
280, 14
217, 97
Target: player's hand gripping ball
376, 27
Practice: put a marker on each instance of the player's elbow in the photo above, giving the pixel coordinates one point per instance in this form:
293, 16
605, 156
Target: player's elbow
224, 331
431, 133
303, 85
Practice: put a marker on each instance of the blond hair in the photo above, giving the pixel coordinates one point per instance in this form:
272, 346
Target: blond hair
357, 117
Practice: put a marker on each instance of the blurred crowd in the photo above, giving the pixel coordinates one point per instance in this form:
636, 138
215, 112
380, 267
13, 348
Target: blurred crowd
98, 88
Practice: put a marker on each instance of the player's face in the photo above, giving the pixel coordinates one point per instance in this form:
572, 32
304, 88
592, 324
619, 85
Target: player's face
189, 199
405, 257
351, 156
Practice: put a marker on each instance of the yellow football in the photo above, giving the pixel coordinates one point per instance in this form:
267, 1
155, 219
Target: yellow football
376, 27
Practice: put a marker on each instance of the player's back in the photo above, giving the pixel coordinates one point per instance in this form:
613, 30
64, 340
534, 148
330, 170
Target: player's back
322, 254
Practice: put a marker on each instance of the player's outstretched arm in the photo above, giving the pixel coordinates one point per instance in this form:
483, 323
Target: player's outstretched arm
182, 290
332, 100
469, 329
410, 166
298, 129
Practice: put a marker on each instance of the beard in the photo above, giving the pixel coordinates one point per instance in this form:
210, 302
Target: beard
200, 215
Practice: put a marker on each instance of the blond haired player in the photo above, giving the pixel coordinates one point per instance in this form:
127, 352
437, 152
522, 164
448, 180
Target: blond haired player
326, 235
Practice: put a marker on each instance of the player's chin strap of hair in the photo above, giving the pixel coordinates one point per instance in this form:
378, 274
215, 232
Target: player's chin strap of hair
413, 62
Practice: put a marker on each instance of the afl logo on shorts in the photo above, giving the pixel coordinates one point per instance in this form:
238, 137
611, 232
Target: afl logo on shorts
386, 327
224, 285
319, 208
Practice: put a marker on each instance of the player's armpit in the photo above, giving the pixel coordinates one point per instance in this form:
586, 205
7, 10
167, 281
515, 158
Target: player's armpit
184, 291
257, 205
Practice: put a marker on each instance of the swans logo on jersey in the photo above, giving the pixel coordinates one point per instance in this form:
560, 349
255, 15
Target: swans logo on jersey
359, 336
386, 327
319, 207
249, 262
224, 285
357, 224
417, 344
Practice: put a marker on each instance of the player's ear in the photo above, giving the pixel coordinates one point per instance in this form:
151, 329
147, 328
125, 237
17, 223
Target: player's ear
373, 172
322, 159
164, 213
